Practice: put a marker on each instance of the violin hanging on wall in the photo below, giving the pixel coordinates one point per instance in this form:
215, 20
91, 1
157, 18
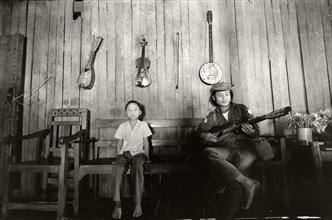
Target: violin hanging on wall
86, 79
142, 78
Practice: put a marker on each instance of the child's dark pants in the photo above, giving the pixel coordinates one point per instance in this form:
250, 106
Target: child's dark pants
136, 172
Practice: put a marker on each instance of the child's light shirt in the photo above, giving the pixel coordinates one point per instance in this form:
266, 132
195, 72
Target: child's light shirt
133, 137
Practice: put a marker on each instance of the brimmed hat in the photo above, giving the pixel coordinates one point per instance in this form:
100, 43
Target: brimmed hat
221, 86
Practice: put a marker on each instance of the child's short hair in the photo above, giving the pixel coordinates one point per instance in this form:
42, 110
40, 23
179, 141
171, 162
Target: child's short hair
133, 101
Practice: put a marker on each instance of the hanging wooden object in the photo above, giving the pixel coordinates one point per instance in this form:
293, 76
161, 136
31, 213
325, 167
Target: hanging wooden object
11, 86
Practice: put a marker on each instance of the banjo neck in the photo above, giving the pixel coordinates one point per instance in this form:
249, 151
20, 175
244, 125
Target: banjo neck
210, 44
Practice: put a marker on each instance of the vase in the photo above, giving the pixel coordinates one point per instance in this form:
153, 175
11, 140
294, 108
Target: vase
304, 136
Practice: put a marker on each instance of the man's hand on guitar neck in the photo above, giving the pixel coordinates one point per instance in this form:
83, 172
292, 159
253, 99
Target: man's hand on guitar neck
208, 136
212, 137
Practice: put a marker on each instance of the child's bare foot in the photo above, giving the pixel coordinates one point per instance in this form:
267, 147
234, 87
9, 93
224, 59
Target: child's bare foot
117, 212
251, 187
138, 210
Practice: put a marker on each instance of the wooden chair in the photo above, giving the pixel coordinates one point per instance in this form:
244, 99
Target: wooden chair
322, 156
66, 132
274, 172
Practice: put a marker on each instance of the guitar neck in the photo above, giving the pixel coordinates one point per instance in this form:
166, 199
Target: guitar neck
142, 57
91, 59
238, 126
210, 44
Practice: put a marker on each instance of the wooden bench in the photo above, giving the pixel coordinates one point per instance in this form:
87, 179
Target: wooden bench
175, 133
172, 144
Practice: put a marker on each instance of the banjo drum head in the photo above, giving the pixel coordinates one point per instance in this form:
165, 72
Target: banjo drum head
210, 73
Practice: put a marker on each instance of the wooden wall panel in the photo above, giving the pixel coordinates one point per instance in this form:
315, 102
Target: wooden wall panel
153, 56
3, 59
233, 48
51, 58
159, 75
110, 59
317, 54
119, 56
241, 84
203, 36
293, 56
262, 71
1, 18
67, 56
60, 35
185, 61
27, 88
277, 60
326, 8
307, 67
196, 46
169, 57
220, 37
277, 53
145, 93
93, 93
129, 62
6, 17
177, 86
101, 60
137, 36
14, 17
86, 46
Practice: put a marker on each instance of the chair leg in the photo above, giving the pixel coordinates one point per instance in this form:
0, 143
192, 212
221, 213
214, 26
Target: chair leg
76, 193
76, 179
62, 190
5, 193
5, 181
285, 187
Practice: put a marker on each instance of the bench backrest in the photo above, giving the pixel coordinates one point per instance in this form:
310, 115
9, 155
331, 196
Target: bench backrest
172, 139
65, 122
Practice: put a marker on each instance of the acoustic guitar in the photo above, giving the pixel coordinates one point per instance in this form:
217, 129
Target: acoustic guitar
143, 78
86, 79
210, 72
230, 127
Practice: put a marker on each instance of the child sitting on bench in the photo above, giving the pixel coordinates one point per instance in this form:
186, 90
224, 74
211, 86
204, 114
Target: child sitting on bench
133, 149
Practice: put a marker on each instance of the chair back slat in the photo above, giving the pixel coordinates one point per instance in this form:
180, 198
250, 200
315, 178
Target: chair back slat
65, 122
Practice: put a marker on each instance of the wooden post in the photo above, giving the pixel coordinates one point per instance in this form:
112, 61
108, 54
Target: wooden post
62, 190
11, 89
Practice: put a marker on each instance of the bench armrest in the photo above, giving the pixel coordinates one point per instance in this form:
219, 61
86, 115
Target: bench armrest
41, 134
67, 139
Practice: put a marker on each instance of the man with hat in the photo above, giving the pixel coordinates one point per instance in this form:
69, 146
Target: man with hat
229, 156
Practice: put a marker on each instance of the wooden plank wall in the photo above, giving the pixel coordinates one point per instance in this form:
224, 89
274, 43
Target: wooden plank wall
277, 53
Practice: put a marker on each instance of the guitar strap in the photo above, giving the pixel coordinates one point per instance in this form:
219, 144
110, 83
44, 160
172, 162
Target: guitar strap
215, 117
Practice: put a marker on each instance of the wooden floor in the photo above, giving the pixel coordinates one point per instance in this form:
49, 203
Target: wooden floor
101, 209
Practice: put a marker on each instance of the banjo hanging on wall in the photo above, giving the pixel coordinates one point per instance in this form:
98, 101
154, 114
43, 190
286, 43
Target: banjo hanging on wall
210, 72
